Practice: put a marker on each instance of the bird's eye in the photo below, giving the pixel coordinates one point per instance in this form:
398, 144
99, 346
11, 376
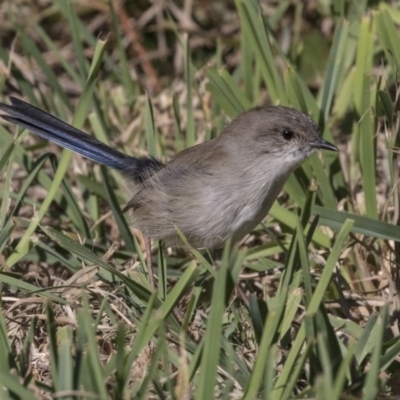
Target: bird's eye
288, 134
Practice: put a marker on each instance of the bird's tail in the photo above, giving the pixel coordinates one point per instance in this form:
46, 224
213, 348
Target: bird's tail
51, 128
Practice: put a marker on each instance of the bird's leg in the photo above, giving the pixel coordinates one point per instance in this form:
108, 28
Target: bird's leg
147, 247
243, 296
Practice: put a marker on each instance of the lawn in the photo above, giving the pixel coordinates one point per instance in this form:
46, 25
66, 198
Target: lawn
306, 306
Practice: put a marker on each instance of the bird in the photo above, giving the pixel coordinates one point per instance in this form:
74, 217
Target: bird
214, 191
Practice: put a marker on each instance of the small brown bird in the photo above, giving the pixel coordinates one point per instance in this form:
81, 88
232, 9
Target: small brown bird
213, 191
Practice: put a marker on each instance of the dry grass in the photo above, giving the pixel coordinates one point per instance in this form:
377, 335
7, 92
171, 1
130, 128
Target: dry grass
365, 276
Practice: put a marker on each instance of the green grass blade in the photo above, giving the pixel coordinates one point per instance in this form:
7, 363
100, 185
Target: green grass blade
254, 29
372, 381
366, 226
227, 93
326, 275
23, 246
333, 71
211, 350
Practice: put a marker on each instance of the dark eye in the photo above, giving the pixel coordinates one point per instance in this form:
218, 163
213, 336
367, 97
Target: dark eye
288, 134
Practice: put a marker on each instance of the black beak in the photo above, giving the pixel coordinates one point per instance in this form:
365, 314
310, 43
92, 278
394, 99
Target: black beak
323, 144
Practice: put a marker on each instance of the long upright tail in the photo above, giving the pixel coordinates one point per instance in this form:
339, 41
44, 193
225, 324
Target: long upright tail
51, 128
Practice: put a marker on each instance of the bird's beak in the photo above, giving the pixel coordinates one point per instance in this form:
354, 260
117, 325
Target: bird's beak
323, 144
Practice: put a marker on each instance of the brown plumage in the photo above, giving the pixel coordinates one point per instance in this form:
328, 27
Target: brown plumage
219, 189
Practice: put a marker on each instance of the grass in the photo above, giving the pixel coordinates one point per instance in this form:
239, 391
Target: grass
79, 319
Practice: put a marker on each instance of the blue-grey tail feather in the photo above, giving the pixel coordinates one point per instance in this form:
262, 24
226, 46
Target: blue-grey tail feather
51, 128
